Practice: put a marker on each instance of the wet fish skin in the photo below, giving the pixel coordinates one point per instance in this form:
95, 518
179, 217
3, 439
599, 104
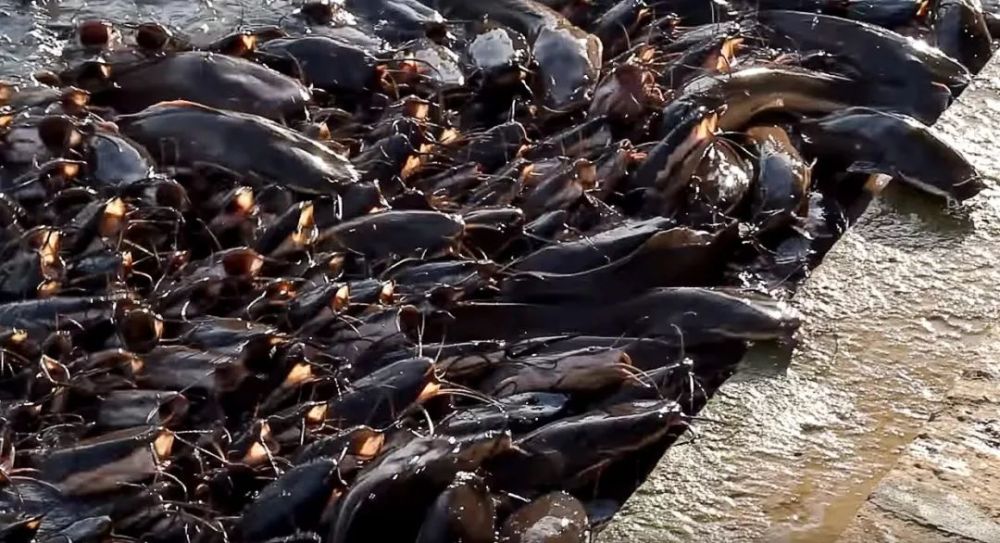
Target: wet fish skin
188, 135
907, 76
696, 316
554, 518
593, 251
781, 189
326, 63
293, 502
915, 156
380, 397
675, 257
419, 470
519, 413
211, 79
463, 513
961, 32
569, 59
381, 235
569, 452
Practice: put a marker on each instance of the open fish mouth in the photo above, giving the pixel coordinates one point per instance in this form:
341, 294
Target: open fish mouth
424, 270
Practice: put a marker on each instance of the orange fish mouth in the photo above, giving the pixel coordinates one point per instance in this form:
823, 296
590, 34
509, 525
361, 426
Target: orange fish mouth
923, 10
371, 446
430, 390
727, 55
163, 445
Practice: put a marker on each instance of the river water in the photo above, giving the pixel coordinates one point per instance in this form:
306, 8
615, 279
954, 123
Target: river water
788, 450
30, 32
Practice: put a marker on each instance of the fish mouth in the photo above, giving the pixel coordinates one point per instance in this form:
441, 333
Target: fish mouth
141, 330
967, 188
242, 263
317, 414
163, 445
59, 133
778, 322
299, 374
371, 445
152, 36
95, 33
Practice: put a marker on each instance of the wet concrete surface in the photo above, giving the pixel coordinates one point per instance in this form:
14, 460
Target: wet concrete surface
901, 307
946, 488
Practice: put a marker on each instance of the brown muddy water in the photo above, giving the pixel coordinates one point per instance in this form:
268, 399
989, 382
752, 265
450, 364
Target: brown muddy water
787, 451
907, 300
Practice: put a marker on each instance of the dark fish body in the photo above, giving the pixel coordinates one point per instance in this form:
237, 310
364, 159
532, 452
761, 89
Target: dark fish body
463, 513
752, 91
525, 16
293, 502
569, 62
115, 160
42, 316
327, 63
493, 148
644, 353
783, 180
213, 80
568, 58
132, 408
585, 140
20, 530
618, 24
675, 257
961, 32
695, 12
496, 54
175, 367
692, 315
886, 13
106, 462
593, 251
378, 398
914, 154
555, 518
720, 179
569, 451
361, 441
991, 11
417, 472
399, 233
519, 413
907, 76
397, 20
185, 134
89, 530
33, 497
686, 124
460, 276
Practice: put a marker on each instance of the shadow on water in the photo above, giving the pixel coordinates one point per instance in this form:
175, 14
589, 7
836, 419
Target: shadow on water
936, 216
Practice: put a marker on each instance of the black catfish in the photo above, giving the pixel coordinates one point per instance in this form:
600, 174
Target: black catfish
191, 135
213, 80
872, 141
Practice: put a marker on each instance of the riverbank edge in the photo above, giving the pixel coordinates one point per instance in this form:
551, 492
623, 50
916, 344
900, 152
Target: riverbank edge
945, 486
